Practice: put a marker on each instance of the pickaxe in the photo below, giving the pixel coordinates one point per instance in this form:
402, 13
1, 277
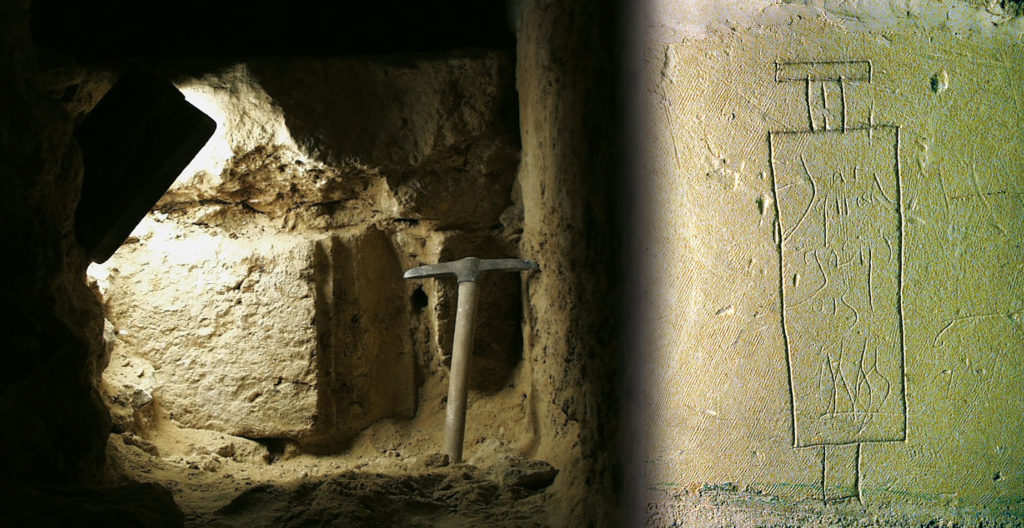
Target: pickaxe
466, 272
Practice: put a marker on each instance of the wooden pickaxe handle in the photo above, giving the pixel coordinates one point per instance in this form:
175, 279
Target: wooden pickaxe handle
458, 384
466, 272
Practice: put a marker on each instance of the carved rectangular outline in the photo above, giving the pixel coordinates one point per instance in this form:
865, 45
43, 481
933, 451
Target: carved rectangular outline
808, 67
899, 281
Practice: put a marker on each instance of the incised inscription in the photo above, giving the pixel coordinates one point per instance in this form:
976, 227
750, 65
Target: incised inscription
840, 241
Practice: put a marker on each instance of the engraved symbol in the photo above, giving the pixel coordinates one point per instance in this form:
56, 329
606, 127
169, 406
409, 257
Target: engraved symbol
837, 196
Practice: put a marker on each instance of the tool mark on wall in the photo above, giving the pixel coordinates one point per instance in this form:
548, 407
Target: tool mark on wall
951, 322
843, 328
667, 108
814, 194
984, 199
850, 70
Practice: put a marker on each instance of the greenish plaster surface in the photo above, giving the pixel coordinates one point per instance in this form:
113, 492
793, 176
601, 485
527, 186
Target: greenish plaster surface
740, 508
720, 402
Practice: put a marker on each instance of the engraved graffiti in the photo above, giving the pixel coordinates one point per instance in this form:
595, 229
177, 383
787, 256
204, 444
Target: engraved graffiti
839, 233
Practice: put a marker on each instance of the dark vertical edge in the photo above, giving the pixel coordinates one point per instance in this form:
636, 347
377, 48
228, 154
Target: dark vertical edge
581, 48
405, 385
807, 100
823, 482
782, 288
633, 267
857, 477
323, 286
842, 99
899, 289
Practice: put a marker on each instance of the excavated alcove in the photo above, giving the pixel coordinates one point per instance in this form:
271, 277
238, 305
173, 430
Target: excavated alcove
257, 320
256, 359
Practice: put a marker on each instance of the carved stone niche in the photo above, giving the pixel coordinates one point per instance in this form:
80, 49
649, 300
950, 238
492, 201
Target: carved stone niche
498, 340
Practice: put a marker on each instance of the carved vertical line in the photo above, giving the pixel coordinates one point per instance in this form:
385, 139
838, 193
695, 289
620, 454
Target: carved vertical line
824, 104
824, 223
899, 291
782, 287
871, 122
810, 113
842, 98
823, 495
857, 478
871, 298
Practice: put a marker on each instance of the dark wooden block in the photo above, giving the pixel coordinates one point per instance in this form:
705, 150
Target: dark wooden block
134, 144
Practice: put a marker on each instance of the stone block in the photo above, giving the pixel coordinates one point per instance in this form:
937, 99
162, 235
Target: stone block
278, 337
228, 325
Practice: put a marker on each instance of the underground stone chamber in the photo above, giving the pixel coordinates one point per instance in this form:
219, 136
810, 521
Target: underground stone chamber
251, 356
257, 321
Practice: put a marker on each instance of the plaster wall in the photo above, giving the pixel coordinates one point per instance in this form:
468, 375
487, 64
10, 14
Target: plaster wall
836, 308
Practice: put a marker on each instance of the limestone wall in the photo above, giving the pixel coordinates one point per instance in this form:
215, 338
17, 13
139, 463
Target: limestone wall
835, 248
573, 151
263, 297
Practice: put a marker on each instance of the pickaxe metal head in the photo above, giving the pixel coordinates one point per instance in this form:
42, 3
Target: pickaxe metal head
469, 268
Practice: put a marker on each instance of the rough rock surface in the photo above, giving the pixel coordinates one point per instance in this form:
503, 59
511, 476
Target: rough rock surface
227, 323
416, 164
276, 337
334, 353
436, 152
433, 138
458, 496
498, 334
441, 131
521, 473
572, 157
128, 385
55, 424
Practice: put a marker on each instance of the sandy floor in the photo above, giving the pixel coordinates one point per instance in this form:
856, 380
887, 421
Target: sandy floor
385, 478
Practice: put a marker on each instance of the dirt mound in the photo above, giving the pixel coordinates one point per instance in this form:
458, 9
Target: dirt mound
458, 496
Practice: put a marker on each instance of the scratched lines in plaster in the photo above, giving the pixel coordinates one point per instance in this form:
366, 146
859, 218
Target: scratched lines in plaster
839, 231
840, 237
837, 194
